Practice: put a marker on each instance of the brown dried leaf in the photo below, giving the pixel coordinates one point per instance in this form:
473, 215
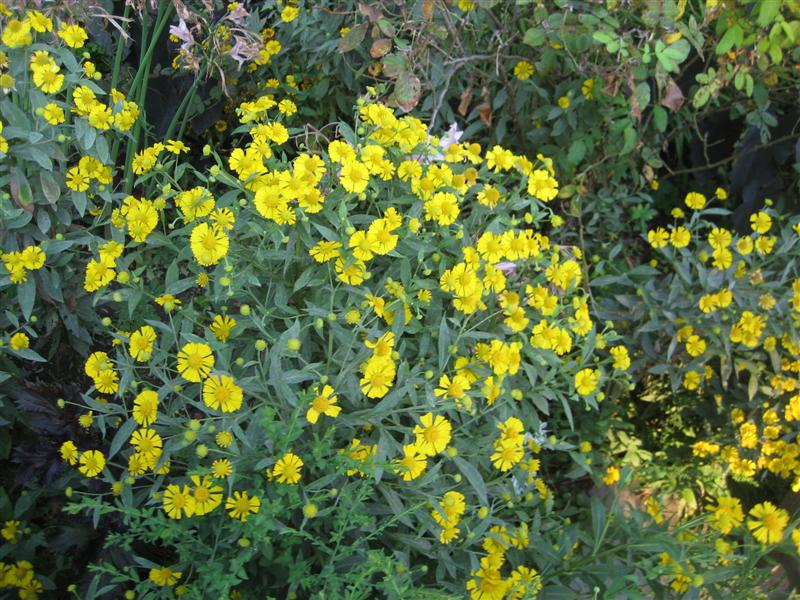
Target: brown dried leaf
372, 13
466, 98
673, 97
380, 47
485, 112
427, 9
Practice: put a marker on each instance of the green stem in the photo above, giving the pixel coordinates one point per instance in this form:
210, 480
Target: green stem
118, 53
139, 84
184, 105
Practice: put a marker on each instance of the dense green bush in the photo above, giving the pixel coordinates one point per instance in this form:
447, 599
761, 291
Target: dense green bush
397, 300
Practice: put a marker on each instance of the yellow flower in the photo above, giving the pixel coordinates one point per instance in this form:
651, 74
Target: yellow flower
324, 403
586, 381
222, 326
164, 577
92, 463
695, 200
563, 102
542, 185
221, 468
612, 475
141, 343
209, 244
48, 79
178, 501
74, 36
53, 114
768, 522
145, 407
432, 434
727, 514
523, 70
240, 505
207, 496
288, 469
221, 393
412, 464
19, 341
195, 361
760, 222
17, 33
69, 452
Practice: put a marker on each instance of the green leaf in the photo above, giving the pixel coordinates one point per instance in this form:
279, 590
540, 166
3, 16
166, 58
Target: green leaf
629, 136
732, 37
353, 38
123, 435
598, 522
576, 152
660, 118
50, 189
535, 36
407, 90
474, 477
26, 296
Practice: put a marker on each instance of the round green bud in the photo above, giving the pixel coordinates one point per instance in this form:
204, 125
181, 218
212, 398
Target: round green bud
39, 111
552, 440
285, 239
436, 257
243, 202
293, 344
244, 543
331, 316
483, 512
310, 511
224, 281
117, 297
239, 361
190, 435
195, 425
245, 309
59, 236
457, 477
323, 380
211, 428
452, 453
206, 150
68, 492
428, 374
177, 388
261, 345
130, 480
201, 451
34, 318
61, 403
333, 492
319, 323
61, 138
106, 321
214, 170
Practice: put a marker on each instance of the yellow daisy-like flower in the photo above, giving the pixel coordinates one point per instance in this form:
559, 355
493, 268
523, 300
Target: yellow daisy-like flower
69, 452
207, 496
240, 505
141, 343
323, 404
433, 434
92, 463
178, 501
74, 36
164, 576
209, 244
53, 114
222, 326
288, 469
542, 186
768, 522
195, 361
586, 381
221, 468
145, 407
221, 393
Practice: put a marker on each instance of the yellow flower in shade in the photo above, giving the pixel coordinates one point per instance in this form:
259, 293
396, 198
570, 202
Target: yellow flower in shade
168, 302
19, 341
92, 463
97, 362
222, 326
178, 501
658, 238
195, 361
145, 407
209, 244
680, 237
69, 452
224, 439
622, 359
542, 185
11, 531
207, 496
221, 468
164, 576
432, 434
523, 70
107, 381
147, 443
507, 454
141, 343
221, 393
563, 102
612, 475
74, 36
412, 464
760, 222
768, 522
695, 200
726, 515
323, 404
287, 469
586, 381
240, 505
